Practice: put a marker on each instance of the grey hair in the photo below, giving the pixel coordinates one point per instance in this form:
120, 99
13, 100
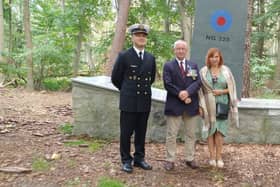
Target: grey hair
180, 41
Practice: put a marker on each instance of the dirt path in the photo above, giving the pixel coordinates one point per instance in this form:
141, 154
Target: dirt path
29, 133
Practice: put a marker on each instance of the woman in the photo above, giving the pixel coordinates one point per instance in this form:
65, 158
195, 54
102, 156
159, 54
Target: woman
218, 86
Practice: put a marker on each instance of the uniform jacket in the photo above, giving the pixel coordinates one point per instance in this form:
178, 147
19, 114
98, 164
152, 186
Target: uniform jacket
133, 77
174, 82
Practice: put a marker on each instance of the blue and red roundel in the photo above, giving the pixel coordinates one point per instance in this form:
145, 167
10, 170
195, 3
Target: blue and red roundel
221, 21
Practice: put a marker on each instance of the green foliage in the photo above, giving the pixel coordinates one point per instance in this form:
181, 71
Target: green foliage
66, 128
40, 164
55, 30
107, 182
158, 84
261, 71
265, 93
57, 83
161, 45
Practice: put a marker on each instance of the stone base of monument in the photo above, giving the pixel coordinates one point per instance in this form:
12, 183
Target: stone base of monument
95, 106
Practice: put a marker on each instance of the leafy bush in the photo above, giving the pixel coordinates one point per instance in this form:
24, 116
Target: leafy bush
261, 70
57, 83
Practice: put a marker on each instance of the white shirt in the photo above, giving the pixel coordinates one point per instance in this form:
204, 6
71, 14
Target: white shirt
184, 66
137, 51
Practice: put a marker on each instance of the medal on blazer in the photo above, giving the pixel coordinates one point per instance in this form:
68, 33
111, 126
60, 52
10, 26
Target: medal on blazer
191, 72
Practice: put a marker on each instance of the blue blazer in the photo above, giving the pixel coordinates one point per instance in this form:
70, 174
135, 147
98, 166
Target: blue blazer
174, 82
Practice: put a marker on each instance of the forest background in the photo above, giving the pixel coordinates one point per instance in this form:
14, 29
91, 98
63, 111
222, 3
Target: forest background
45, 43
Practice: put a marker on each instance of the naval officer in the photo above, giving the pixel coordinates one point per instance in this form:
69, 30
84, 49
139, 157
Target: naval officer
133, 74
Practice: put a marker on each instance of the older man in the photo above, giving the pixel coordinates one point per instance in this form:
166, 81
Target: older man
133, 74
182, 82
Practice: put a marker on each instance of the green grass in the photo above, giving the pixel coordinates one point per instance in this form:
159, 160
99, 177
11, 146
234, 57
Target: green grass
93, 145
76, 182
96, 145
107, 182
40, 164
66, 128
75, 142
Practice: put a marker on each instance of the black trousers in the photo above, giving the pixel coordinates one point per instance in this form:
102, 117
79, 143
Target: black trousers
133, 122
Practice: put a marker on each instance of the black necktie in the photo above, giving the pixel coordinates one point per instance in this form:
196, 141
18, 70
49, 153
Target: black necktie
140, 55
182, 69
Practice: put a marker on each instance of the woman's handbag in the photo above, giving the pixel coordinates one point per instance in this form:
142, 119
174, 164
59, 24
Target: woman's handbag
222, 111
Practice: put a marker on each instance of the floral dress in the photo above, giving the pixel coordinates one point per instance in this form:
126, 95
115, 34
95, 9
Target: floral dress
220, 84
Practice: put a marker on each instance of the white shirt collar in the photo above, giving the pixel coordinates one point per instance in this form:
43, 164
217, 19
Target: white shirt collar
178, 61
184, 60
137, 50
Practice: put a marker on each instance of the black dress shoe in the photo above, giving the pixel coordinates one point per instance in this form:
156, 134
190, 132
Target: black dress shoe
144, 165
127, 167
192, 164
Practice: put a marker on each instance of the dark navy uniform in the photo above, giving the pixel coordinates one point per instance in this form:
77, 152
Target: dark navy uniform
133, 77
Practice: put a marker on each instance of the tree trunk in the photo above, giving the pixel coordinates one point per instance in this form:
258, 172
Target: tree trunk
261, 29
166, 25
166, 19
185, 24
76, 61
28, 38
276, 78
119, 37
1, 32
246, 65
10, 32
89, 59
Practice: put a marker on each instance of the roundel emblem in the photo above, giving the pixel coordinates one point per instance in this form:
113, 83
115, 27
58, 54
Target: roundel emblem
221, 21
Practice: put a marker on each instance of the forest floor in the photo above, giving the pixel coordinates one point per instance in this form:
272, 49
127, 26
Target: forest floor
31, 139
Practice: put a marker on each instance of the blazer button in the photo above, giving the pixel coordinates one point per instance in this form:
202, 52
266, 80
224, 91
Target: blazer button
138, 92
139, 78
138, 85
130, 77
145, 93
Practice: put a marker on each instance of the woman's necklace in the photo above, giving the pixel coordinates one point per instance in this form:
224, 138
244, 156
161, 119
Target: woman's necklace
215, 71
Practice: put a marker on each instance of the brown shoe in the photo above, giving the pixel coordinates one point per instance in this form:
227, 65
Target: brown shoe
168, 165
192, 164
